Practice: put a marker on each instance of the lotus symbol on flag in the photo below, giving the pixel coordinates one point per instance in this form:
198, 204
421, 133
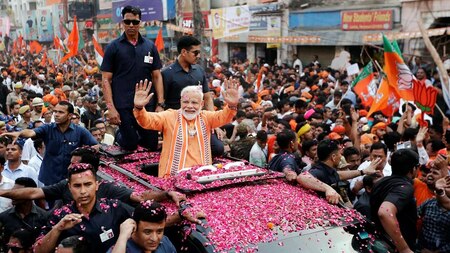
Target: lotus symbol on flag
378, 97
425, 97
405, 76
373, 88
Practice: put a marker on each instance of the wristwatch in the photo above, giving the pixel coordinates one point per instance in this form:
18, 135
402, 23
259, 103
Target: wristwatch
440, 192
163, 105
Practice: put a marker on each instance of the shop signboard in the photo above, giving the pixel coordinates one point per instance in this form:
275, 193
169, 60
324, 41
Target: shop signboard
230, 21
151, 10
367, 20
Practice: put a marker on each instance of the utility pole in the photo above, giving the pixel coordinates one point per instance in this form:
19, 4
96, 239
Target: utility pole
199, 27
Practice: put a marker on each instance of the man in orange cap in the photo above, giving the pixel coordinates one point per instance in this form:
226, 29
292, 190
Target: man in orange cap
379, 130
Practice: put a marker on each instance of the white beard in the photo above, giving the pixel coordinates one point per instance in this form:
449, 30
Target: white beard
190, 116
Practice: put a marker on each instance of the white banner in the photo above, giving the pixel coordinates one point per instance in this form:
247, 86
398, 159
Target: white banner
230, 21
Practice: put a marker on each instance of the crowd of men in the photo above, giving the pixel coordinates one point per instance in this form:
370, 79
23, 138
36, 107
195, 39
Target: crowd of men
302, 119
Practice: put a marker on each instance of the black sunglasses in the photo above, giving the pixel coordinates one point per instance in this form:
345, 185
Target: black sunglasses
196, 52
15, 249
129, 21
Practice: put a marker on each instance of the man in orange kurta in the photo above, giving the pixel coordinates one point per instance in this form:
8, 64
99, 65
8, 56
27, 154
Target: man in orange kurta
187, 130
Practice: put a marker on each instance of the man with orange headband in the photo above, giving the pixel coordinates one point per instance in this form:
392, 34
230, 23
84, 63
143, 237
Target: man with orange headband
379, 130
186, 130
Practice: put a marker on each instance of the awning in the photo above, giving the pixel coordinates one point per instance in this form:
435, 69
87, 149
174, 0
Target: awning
376, 37
337, 37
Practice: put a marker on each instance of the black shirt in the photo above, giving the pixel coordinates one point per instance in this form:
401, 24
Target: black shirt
88, 118
130, 64
282, 161
10, 221
175, 79
399, 191
325, 173
106, 216
60, 191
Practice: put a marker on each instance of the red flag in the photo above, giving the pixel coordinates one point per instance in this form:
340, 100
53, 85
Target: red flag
35, 47
72, 42
159, 42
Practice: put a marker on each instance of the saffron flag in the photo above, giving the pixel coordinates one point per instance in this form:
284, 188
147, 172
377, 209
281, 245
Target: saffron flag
393, 104
159, 42
72, 43
20, 45
59, 44
98, 51
365, 86
398, 74
381, 98
44, 60
35, 47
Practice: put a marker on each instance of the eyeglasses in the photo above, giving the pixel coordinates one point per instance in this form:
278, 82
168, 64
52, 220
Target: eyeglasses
196, 52
131, 21
15, 249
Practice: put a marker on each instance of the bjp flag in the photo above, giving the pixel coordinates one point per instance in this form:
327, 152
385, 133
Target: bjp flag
364, 85
381, 98
399, 76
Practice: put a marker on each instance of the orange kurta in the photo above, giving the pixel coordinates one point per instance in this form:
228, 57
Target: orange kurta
166, 121
421, 192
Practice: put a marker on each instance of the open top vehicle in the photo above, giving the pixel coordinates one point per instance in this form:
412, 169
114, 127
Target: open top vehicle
248, 209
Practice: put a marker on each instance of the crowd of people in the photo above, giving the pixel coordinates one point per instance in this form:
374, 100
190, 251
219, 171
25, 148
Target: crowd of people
301, 119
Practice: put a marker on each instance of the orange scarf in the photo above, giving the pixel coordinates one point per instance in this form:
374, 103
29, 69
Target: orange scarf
180, 144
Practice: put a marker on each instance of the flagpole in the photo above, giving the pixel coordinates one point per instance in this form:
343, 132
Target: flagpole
440, 110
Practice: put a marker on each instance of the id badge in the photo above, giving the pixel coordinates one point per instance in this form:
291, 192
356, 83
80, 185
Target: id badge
106, 235
148, 59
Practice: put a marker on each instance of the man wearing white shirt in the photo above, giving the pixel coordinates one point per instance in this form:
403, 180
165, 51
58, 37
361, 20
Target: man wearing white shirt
36, 161
28, 150
378, 161
15, 168
5, 184
106, 138
258, 153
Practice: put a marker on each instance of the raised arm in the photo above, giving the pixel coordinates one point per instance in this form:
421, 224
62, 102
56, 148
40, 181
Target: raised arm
23, 193
26, 133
